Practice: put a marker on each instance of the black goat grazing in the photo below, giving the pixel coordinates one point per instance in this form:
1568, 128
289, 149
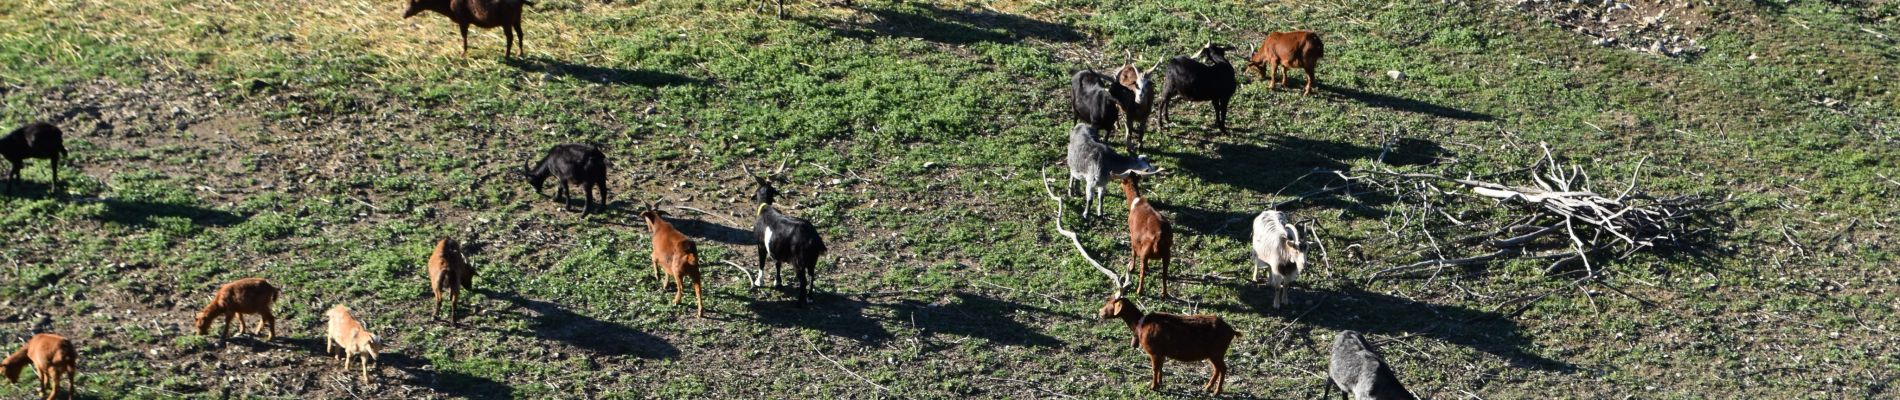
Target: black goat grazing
35, 140
483, 13
1099, 99
572, 163
785, 238
1193, 81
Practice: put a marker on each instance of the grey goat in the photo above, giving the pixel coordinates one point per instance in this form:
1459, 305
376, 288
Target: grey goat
1092, 161
1359, 371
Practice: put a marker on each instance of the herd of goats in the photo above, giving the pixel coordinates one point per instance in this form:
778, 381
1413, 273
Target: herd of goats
1100, 102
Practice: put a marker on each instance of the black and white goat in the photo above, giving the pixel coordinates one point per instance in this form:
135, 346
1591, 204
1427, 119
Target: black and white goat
1191, 80
1358, 370
572, 163
1093, 163
1099, 99
35, 140
784, 238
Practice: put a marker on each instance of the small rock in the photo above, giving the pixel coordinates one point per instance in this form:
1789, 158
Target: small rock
1395, 75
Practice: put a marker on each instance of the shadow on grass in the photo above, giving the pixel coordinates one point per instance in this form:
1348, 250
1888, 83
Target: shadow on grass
554, 322
603, 75
1283, 167
1404, 104
448, 383
134, 213
828, 312
935, 23
713, 231
1386, 315
975, 316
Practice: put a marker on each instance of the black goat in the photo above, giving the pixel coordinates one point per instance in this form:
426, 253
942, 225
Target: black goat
785, 238
1099, 99
1193, 81
35, 140
572, 163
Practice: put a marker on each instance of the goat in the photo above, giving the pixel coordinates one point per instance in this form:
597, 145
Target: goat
243, 296
482, 13
784, 238
449, 273
34, 140
676, 256
1135, 123
1359, 371
1276, 247
1186, 338
348, 334
1193, 81
1286, 51
1098, 99
53, 357
572, 163
1093, 163
1150, 237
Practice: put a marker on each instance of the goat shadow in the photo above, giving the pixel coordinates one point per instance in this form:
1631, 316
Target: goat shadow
976, 316
603, 75
1404, 104
1353, 308
134, 213
703, 229
1286, 168
935, 23
449, 383
833, 314
552, 321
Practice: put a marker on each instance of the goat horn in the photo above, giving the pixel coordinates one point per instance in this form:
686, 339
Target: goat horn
1143, 173
748, 172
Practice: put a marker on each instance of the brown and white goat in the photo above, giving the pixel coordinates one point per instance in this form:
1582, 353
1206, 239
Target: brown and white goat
1150, 237
53, 357
347, 333
1284, 51
676, 256
1135, 114
450, 274
1276, 247
1187, 338
243, 296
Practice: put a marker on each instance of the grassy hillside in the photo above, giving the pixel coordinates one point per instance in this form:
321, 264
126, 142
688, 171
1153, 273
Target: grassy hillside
324, 145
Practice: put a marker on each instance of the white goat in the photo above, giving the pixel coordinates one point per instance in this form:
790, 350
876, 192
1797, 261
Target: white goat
1276, 247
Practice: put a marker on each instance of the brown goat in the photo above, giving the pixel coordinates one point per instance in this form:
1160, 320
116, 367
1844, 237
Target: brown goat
482, 13
1150, 237
1186, 338
675, 255
53, 357
347, 333
1284, 51
1135, 115
449, 272
243, 296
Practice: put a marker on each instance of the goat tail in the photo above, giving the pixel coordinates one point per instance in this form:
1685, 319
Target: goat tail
14, 364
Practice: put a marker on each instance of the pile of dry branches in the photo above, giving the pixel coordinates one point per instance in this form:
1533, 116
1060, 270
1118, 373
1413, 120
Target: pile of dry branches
1555, 216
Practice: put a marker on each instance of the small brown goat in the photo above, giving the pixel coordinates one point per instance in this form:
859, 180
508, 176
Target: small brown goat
1284, 51
1186, 338
449, 273
482, 13
348, 333
1150, 237
243, 296
675, 255
1135, 115
53, 357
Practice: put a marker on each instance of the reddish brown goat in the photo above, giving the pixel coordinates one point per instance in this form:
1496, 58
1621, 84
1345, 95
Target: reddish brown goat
482, 13
449, 273
1150, 237
243, 296
1186, 338
675, 255
53, 357
1284, 51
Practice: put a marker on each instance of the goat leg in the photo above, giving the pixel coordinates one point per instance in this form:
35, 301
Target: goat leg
1155, 361
464, 40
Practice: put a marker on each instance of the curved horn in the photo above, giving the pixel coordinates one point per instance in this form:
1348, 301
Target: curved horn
1137, 172
748, 172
